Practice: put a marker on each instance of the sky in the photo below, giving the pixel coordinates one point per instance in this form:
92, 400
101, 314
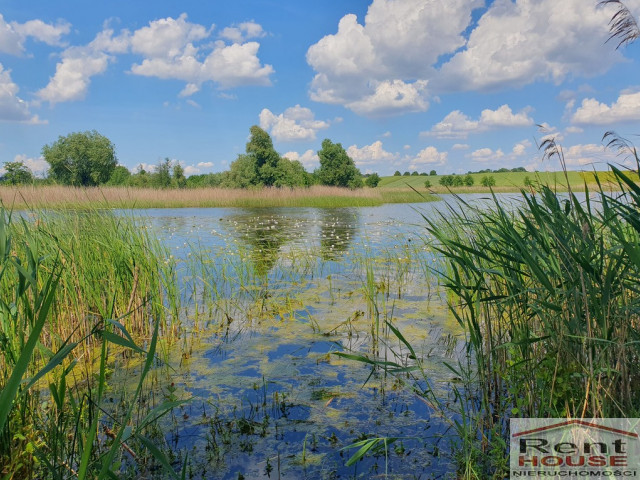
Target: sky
408, 85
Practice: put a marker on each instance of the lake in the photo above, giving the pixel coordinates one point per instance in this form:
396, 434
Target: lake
269, 297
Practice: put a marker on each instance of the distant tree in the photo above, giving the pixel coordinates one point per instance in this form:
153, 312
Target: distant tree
17, 173
120, 175
372, 180
458, 181
468, 180
178, 179
162, 176
415, 173
427, 184
406, 174
446, 180
291, 173
488, 181
243, 173
519, 169
423, 174
527, 181
260, 147
433, 173
81, 158
502, 170
336, 167
397, 173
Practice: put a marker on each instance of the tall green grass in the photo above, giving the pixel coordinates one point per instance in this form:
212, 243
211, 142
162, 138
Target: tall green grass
547, 292
72, 288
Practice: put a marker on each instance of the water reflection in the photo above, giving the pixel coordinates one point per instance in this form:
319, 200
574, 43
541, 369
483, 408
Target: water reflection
338, 227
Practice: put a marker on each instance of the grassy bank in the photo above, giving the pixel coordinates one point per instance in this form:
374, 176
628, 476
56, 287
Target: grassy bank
61, 197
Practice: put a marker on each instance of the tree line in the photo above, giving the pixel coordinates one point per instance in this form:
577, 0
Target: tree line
88, 159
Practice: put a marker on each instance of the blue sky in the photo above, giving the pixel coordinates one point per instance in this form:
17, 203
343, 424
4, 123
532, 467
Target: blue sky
450, 85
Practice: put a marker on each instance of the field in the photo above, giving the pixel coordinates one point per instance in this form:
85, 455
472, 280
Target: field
508, 181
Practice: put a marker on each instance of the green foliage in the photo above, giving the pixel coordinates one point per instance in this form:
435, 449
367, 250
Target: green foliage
17, 173
243, 173
372, 180
81, 159
458, 181
336, 167
433, 173
468, 180
406, 174
162, 175
178, 179
397, 173
414, 174
427, 184
446, 180
488, 181
119, 176
527, 181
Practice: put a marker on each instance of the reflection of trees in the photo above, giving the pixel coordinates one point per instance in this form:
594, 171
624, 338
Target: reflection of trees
337, 229
264, 235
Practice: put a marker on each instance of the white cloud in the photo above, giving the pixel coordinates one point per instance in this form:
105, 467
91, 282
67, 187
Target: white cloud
12, 107
429, 156
370, 154
574, 130
191, 170
38, 166
390, 53
170, 52
386, 134
392, 97
458, 125
296, 123
13, 34
625, 109
485, 154
189, 89
589, 155
460, 146
205, 164
242, 32
519, 42
309, 159
520, 148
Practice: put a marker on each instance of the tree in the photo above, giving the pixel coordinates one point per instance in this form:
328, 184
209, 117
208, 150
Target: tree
488, 181
427, 184
406, 174
336, 167
458, 181
372, 180
162, 175
81, 159
414, 174
397, 173
120, 175
468, 180
179, 180
17, 173
260, 147
433, 173
446, 180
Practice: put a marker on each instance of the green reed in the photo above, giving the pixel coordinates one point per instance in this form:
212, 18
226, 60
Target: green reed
72, 287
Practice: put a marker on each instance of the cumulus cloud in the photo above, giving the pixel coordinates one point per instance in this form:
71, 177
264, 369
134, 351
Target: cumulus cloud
296, 123
205, 165
625, 109
519, 42
364, 66
13, 35
242, 32
520, 148
429, 156
485, 154
370, 154
309, 159
12, 107
414, 43
38, 166
170, 51
589, 155
191, 170
458, 125
460, 146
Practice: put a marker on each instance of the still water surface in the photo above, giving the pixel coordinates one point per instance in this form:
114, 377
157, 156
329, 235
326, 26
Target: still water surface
269, 296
